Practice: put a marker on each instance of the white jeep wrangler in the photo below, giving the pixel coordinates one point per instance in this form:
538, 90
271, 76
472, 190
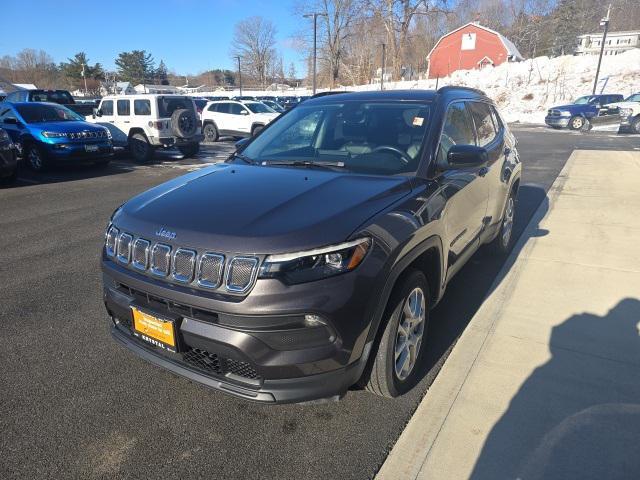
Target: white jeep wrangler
148, 121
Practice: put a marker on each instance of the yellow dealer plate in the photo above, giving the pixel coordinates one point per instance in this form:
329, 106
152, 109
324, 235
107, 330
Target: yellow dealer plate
154, 330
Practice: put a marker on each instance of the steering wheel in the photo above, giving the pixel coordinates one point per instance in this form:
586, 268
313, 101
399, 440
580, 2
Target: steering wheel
403, 157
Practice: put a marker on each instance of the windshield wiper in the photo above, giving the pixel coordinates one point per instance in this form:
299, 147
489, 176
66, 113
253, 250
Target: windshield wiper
307, 164
244, 158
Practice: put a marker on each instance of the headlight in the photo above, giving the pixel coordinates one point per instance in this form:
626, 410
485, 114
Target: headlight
626, 112
310, 265
54, 134
564, 113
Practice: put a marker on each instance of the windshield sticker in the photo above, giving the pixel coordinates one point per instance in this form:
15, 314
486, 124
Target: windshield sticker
417, 121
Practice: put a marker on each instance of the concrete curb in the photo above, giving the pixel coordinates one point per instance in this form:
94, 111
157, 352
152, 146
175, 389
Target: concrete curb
412, 449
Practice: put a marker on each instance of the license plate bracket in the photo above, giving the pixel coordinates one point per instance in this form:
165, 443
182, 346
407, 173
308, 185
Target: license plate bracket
155, 330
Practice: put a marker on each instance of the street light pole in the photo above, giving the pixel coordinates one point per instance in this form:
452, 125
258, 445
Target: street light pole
604, 22
384, 47
239, 74
315, 16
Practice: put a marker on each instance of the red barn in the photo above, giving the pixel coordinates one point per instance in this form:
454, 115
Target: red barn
468, 47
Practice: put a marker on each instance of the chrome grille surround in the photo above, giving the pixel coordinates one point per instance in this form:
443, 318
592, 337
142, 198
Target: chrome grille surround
184, 262
124, 247
160, 259
140, 255
241, 273
111, 241
210, 270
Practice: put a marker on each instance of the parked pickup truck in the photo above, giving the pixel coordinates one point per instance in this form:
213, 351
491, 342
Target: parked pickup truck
61, 97
585, 111
629, 112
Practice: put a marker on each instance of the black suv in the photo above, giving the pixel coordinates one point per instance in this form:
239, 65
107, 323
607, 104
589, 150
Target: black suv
310, 260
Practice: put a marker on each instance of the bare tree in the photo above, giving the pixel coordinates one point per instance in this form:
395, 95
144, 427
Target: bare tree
254, 40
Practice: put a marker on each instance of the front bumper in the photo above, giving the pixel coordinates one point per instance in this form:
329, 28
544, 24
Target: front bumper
242, 346
557, 121
70, 152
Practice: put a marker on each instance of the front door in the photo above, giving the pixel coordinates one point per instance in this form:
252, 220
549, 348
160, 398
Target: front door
465, 189
108, 119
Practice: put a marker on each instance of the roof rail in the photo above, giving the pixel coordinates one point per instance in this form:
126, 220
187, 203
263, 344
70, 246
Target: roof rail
449, 88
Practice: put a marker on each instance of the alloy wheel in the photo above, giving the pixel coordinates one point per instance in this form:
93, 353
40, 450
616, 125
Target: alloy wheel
35, 160
409, 334
507, 221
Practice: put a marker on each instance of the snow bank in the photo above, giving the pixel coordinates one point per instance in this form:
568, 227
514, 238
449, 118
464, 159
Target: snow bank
525, 90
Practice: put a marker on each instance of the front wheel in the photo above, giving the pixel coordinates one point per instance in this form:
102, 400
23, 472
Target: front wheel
577, 122
503, 243
189, 150
36, 159
140, 148
635, 125
396, 366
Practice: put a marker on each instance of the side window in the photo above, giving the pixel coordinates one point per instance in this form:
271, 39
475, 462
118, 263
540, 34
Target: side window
142, 107
497, 121
124, 107
485, 129
213, 107
223, 107
107, 108
236, 109
457, 130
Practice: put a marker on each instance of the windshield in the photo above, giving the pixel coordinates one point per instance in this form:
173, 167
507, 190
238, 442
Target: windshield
583, 100
54, 96
633, 98
38, 113
259, 108
382, 138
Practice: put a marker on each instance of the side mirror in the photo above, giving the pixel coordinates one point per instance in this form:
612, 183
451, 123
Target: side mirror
242, 143
11, 121
97, 112
465, 156
244, 112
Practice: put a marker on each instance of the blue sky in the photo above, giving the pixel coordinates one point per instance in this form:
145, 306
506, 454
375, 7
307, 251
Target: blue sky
189, 35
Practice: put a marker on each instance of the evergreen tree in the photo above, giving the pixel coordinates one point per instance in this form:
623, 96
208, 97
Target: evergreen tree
73, 69
162, 74
136, 66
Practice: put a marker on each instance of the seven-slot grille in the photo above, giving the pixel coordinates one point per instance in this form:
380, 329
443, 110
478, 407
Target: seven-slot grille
185, 266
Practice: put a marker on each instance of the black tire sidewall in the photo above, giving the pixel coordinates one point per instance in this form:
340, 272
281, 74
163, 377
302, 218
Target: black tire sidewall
497, 244
189, 150
635, 125
133, 141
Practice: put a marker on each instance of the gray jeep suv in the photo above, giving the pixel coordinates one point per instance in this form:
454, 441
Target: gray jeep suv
308, 262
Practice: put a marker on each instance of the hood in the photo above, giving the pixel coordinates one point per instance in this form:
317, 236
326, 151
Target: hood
259, 210
572, 107
68, 127
267, 116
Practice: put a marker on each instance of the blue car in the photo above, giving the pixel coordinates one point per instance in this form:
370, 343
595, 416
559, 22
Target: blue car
47, 133
583, 111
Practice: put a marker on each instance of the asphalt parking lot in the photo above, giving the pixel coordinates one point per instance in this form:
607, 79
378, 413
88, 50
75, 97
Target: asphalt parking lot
77, 405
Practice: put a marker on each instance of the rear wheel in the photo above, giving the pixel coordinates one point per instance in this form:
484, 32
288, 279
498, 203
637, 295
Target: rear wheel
210, 133
189, 150
141, 149
503, 242
577, 122
396, 366
35, 158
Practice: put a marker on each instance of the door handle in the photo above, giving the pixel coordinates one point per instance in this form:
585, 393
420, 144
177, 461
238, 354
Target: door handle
483, 171
126, 121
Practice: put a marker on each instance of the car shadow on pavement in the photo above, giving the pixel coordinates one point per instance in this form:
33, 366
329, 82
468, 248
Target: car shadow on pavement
578, 415
65, 173
475, 281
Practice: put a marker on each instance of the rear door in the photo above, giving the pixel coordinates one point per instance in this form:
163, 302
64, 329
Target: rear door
464, 188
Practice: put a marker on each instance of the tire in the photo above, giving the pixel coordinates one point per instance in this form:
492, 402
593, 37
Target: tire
503, 243
635, 125
256, 130
577, 122
35, 158
189, 150
391, 376
184, 123
210, 133
140, 148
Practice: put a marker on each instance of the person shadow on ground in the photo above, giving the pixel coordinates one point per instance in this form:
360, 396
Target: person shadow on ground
578, 415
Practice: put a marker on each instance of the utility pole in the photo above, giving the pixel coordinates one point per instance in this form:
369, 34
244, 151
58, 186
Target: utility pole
315, 16
603, 23
239, 74
384, 47
85, 80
